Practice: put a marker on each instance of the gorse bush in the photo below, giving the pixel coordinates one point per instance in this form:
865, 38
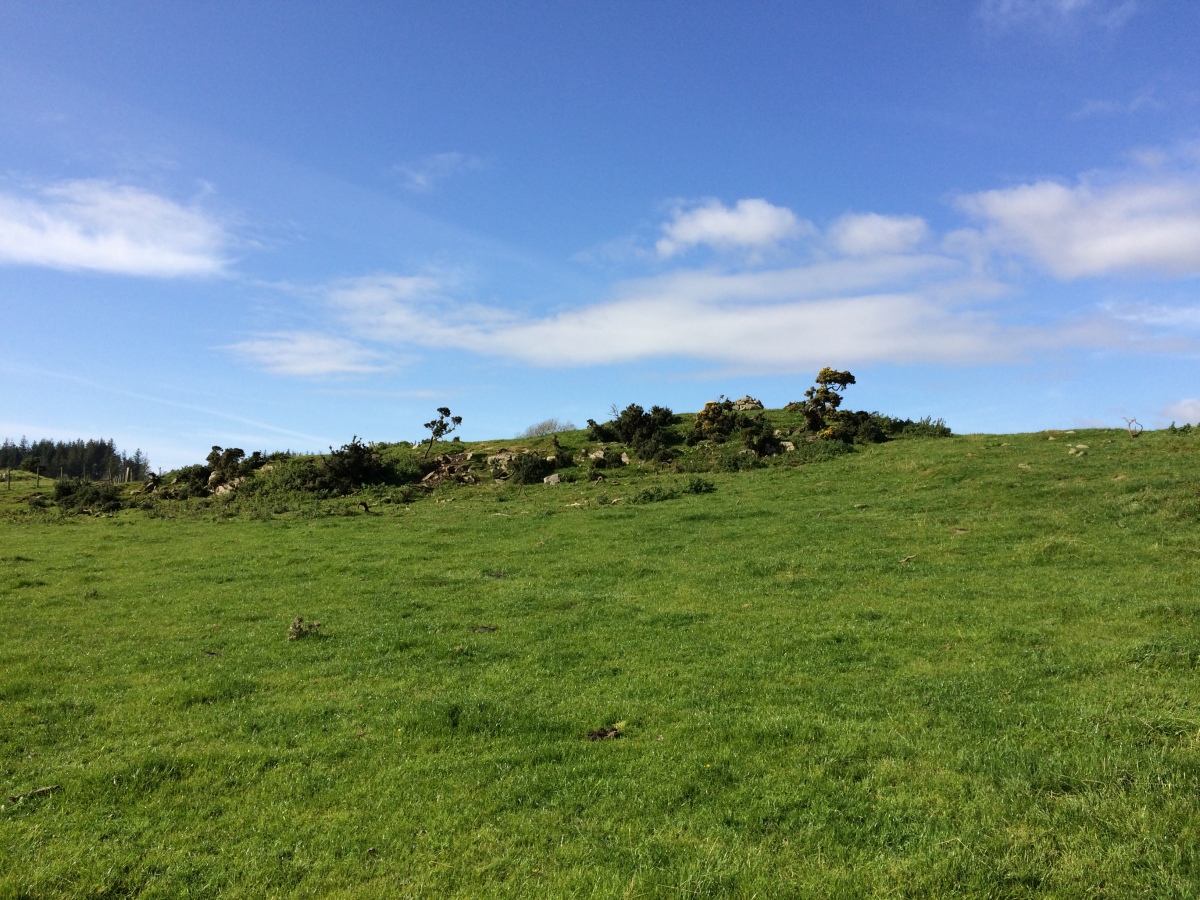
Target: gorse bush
529, 468
611, 459
78, 494
719, 421
647, 434
352, 466
716, 422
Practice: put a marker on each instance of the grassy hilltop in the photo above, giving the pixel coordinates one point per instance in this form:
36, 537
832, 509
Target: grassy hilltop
962, 666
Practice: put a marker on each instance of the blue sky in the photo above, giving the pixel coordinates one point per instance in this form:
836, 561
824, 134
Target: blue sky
280, 225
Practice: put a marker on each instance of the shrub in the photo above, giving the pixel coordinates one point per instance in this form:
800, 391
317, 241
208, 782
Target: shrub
654, 494
610, 460
758, 435
698, 485
76, 494
529, 468
716, 422
352, 466
190, 481
647, 434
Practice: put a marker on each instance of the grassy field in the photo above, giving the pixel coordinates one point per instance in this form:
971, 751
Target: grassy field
967, 666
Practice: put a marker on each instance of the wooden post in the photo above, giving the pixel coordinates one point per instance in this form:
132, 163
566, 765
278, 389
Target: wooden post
38, 471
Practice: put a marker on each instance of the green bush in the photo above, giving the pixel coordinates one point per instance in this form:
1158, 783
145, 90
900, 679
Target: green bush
76, 494
529, 468
647, 434
715, 423
698, 485
654, 494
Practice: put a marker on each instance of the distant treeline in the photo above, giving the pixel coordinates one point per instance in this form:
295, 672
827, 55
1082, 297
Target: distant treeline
73, 459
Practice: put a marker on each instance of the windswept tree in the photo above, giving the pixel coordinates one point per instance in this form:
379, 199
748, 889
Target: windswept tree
441, 426
824, 398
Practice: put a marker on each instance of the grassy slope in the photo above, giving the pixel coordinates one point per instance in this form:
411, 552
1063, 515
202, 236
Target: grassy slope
1012, 712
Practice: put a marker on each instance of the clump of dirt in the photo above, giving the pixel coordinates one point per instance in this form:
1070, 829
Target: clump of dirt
300, 629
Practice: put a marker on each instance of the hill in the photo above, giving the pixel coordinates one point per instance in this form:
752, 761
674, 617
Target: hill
964, 666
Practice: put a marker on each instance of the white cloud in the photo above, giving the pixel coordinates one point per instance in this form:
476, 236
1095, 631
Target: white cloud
1187, 410
1150, 226
871, 234
306, 354
424, 175
754, 225
106, 227
898, 308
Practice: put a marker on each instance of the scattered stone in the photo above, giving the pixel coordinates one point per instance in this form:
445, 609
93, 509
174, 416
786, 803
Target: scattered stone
596, 454
624, 459
787, 446
227, 487
551, 479
451, 467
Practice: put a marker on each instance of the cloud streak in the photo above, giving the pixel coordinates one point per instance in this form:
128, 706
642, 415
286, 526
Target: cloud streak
1055, 14
101, 226
307, 354
899, 308
423, 176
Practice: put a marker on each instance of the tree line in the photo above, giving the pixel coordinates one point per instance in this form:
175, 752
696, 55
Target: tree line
73, 459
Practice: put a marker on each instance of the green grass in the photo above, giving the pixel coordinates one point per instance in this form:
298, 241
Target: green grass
1014, 711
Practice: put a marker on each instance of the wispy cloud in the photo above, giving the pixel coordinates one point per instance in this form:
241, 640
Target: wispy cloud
423, 176
102, 226
307, 354
1147, 223
1056, 14
754, 225
1145, 101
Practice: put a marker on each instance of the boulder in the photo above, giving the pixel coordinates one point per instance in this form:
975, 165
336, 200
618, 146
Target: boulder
788, 446
747, 403
551, 479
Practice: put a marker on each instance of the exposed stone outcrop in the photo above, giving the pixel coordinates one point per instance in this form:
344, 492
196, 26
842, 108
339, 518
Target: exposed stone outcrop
747, 403
451, 467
